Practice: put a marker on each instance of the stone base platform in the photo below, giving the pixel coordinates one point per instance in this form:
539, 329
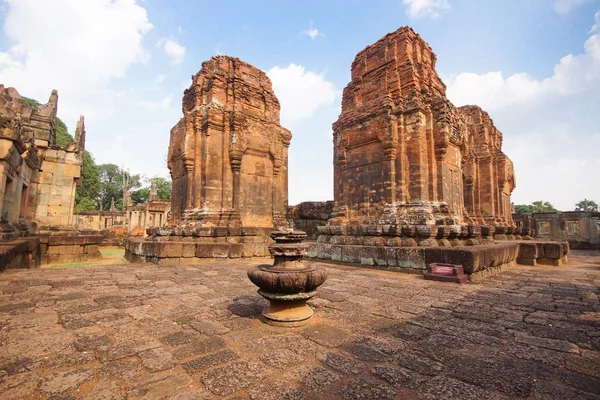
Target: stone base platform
20, 253
175, 246
69, 246
477, 261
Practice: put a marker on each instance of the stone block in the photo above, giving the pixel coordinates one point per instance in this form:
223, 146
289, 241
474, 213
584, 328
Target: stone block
528, 250
188, 250
174, 249
236, 250
64, 250
527, 261
411, 258
553, 250
72, 171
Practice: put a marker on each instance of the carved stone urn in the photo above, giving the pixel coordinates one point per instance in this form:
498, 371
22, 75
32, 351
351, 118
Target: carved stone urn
288, 283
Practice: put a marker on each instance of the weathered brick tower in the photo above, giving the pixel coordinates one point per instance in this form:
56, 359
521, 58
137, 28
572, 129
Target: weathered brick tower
228, 158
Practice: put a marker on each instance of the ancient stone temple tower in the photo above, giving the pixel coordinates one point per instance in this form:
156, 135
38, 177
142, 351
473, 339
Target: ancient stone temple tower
228, 154
404, 155
228, 159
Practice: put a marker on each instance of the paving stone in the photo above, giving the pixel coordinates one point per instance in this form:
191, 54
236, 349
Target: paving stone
194, 394
545, 390
209, 328
442, 387
105, 390
19, 386
410, 332
17, 366
157, 359
92, 342
511, 376
341, 363
276, 390
398, 377
200, 346
552, 344
210, 360
319, 378
180, 337
121, 369
280, 358
366, 389
326, 335
161, 388
419, 363
59, 382
125, 349
234, 376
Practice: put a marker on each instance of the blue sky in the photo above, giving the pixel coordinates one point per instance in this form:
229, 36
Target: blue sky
534, 65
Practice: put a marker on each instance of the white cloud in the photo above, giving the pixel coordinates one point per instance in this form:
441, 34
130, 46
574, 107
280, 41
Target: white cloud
160, 78
301, 92
173, 49
77, 56
426, 8
564, 7
164, 103
312, 33
551, 126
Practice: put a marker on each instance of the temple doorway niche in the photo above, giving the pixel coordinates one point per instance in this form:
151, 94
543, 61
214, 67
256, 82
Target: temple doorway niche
7, 199
23, 206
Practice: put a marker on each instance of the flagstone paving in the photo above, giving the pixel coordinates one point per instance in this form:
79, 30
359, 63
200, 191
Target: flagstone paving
142, 331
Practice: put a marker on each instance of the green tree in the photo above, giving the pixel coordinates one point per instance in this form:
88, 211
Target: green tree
534, 207
586, 205
112, 179
163, 188
63, 137
88, 193
140, 196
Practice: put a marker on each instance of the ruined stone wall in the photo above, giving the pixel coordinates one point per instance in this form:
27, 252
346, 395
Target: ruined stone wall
488, 173
228, 154
39, 178
580, 228
309, 215
403, 154
99, 220
19, 160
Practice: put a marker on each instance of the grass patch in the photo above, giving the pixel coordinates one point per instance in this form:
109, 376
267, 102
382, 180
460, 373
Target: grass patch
81, 264
112, 252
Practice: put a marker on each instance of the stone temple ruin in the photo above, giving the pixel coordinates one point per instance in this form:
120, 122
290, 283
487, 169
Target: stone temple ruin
228, 159
416, 178
38, 182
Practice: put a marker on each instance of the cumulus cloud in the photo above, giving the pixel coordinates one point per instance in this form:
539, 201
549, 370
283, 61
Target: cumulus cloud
174, 50
78, 55
301, 92
551, 126
564, 7
82, 48
426, 8
312, 33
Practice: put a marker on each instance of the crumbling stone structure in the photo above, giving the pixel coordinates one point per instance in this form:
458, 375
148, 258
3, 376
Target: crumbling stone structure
154, 213
405, 155
580, 228
410, 168
228, 159
38, 180
309, 215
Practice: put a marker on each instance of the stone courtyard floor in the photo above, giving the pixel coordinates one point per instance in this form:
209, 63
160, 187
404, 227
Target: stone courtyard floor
142, 331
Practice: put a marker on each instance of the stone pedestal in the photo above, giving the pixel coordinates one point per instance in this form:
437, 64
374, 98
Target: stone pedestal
288, 283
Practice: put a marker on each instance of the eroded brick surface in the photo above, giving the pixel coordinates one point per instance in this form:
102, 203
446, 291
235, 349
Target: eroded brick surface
528, 332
